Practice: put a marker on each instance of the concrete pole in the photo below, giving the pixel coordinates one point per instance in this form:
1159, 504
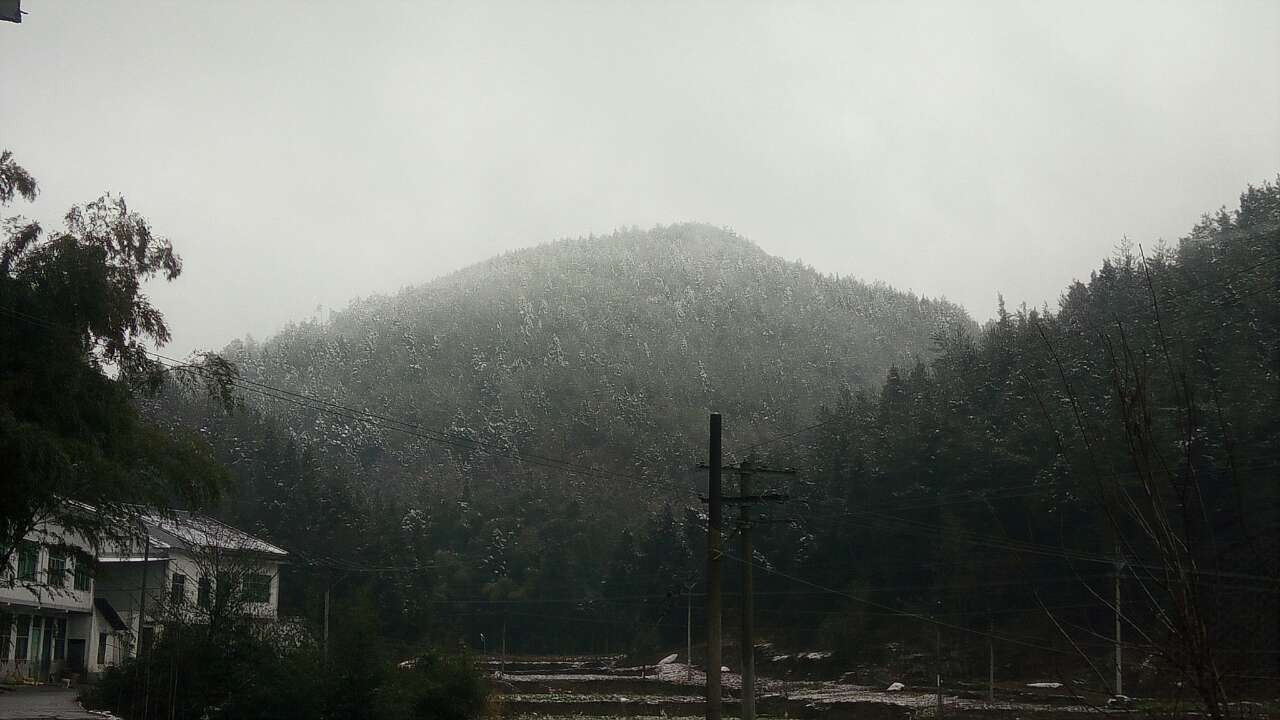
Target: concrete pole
713, 571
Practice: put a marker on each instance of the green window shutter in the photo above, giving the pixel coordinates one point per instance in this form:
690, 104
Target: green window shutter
28, 560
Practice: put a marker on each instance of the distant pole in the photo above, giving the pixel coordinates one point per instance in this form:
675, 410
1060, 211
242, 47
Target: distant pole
713, 572
688, 632
938, 630
748, 600
502, 664
325, 655
1119, 672
991, 659
142, 619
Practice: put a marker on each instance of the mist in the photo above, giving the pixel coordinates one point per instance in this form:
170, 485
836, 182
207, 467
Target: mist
303, 154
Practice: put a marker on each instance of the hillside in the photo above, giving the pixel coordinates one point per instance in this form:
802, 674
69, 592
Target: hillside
605, 351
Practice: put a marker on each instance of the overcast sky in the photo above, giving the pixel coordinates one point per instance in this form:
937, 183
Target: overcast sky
303, 154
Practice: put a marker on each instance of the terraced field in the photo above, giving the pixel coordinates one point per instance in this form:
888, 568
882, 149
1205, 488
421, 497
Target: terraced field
603, 686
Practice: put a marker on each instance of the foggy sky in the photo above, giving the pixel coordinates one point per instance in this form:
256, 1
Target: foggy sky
302, 154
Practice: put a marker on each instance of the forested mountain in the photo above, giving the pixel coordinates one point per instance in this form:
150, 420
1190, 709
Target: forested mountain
603, 351
973, 482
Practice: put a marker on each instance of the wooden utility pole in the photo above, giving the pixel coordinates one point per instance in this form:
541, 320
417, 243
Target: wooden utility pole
714, 496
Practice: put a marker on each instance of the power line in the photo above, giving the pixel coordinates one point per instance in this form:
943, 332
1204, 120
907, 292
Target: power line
375, 419
897, 611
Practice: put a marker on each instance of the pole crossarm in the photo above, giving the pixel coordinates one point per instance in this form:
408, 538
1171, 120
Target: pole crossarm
749, 499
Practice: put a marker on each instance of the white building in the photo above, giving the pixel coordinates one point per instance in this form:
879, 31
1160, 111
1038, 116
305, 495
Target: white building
50, 625
65, 612
189, 567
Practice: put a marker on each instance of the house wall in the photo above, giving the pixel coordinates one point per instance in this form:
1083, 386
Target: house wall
190, 566
52, 614
40, 593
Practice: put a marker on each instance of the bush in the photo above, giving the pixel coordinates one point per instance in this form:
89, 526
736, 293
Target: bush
433, 687
239, 674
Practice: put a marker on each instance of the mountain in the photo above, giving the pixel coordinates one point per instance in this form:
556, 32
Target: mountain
605, 351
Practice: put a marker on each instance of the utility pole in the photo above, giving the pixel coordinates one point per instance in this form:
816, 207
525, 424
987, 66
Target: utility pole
748, 597
938, 630
715, 501
991, 658
688, 631
325, 655
145, 648
713, 571
1119, 671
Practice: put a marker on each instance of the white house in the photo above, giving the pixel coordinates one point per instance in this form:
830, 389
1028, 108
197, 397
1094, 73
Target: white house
68, 610
189, 567
49, 623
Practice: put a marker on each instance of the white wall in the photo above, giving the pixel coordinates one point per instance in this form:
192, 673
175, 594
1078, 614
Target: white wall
38, 593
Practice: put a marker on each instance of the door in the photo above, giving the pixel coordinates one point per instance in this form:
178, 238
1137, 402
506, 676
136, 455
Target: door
75, 655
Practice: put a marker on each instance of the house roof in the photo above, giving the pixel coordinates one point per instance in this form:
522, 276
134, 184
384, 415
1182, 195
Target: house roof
180, 527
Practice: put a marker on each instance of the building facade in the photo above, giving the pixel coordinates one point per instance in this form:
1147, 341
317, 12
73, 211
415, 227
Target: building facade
67, 611
50, 626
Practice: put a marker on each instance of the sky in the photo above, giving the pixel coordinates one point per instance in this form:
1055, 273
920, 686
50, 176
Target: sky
300, 155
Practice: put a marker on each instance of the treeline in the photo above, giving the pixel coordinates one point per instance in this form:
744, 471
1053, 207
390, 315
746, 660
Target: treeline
981, 493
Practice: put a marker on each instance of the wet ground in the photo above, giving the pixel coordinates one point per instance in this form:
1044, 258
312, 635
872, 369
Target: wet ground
42, 702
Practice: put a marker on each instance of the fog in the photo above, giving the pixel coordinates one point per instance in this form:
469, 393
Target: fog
302, 154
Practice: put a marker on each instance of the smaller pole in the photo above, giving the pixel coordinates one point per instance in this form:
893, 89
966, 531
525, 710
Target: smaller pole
939, 654
502, 664
688, 640
748, 600
326, 622
991, 660
1119, 672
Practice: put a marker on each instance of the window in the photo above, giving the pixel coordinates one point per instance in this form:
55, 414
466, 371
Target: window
204, 592
257, 588
82, 572
178, 589
57, 568
28, 560
102, 648
24, 637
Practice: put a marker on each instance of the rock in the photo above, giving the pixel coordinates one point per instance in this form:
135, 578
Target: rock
896, 687
724, 669
668, 659
1045, 685
1120, 701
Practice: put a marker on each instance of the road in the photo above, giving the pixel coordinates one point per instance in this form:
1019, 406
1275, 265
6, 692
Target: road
45, 702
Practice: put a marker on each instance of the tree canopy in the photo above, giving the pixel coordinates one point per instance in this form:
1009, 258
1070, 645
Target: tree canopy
75, 331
